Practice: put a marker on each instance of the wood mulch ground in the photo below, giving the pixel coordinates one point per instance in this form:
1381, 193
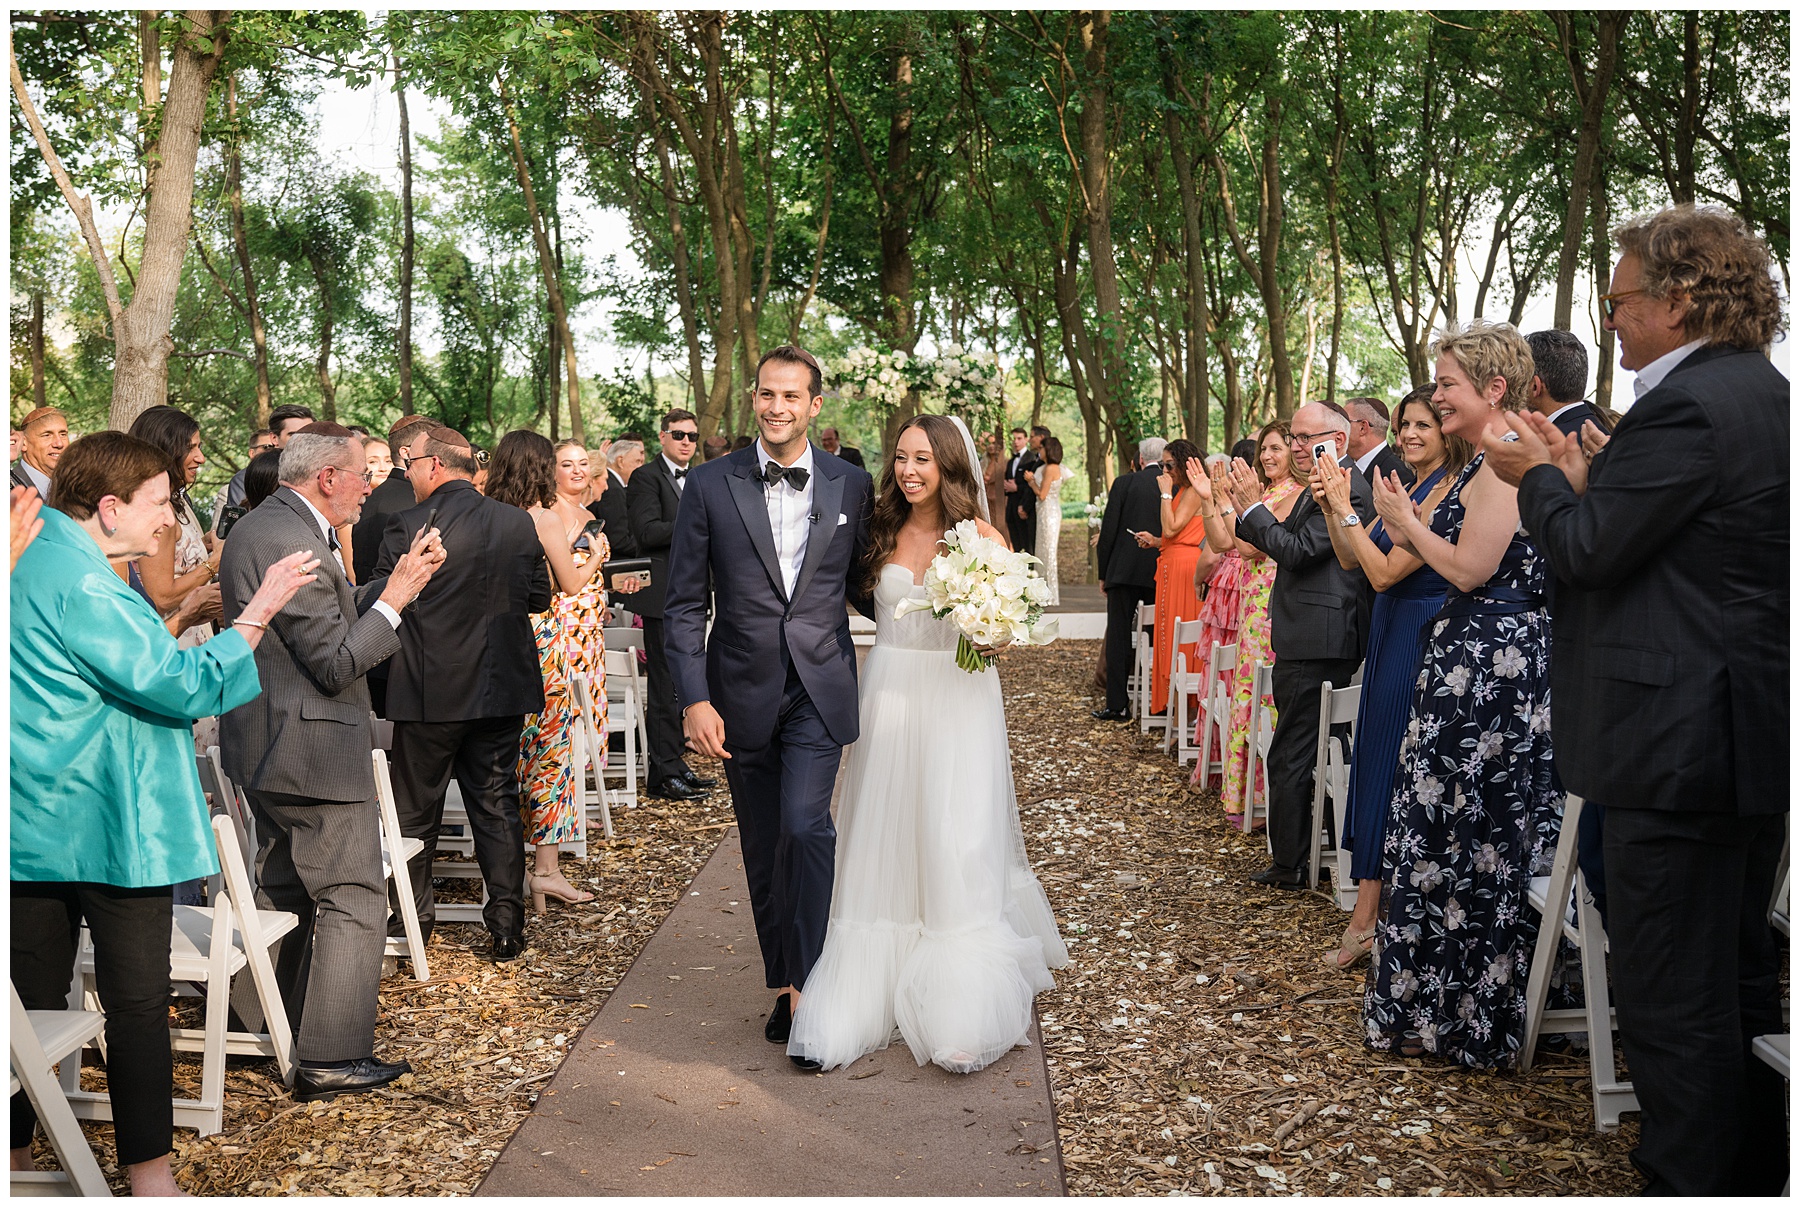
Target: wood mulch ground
1195, 1043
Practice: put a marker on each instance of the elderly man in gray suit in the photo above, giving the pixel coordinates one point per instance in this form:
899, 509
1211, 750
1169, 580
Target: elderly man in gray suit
300, 750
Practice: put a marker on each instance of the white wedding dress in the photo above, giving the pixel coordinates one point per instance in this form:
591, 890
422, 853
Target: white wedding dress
938, 926
1049, 532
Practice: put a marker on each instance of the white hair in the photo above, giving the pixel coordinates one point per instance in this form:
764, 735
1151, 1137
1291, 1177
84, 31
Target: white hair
622, 449
1213, 459
309, 452
1150, 448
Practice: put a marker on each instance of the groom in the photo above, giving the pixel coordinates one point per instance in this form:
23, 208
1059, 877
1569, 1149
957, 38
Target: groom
778, 533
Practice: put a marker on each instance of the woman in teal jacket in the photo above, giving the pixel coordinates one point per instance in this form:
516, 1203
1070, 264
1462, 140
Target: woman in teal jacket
107, 811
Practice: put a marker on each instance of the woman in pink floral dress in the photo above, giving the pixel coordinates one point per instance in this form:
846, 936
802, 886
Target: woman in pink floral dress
1275, 466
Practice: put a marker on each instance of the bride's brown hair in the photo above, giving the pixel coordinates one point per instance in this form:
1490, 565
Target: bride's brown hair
958, 490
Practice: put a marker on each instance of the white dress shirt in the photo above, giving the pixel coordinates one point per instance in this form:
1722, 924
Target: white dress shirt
39, 480
790, 514
1367, 459
325, 527
1566, 407
1652, 374
677, 472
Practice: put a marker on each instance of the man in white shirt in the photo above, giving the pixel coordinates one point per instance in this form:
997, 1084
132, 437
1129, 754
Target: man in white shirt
46, 435
1560, 364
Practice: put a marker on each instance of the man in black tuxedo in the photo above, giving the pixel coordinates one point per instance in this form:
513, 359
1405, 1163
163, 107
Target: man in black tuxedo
778, 531
1318, 626
828, 440
653, 498
609, 505
1369, 446
1560, 361
1127, 569
1669, 668
393, 495
466, 675
1021, 500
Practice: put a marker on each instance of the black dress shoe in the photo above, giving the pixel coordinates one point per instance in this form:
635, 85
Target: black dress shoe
1277, 877
805, 1063
781, 1020
1110, 714
506, 947
322, 1085
673, 789
701, 782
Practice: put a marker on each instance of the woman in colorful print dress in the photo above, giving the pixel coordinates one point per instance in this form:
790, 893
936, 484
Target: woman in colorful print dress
1474, 810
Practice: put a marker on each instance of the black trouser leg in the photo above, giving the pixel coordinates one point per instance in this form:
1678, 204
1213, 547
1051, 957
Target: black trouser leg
1590, 852
1695, 976
662, 714
1294, 747
130, 927
423, 754
1122, 602
487, 770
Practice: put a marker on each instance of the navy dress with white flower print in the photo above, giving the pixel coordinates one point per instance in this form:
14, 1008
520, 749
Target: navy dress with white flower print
1474, 813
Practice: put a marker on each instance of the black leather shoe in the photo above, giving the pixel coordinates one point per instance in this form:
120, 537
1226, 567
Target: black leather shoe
1276, 877
673, 789
1108, 714
506, 947
781, 1020
700, 782
322, 1085
805, 1063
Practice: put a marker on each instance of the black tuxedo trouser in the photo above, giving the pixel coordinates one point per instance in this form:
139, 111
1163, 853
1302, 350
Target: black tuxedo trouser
130, 927
483, 755
1293, 749
1695, 975
781, 794
1023, 532
662, 712
1122, 600
321, 861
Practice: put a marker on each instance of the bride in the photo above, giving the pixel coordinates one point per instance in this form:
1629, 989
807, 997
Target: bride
938, 926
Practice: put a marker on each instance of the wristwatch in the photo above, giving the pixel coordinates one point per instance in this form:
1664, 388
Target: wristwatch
1350, 521
1166, 496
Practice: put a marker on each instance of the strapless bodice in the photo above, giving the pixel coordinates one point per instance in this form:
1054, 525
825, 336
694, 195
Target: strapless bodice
915, 630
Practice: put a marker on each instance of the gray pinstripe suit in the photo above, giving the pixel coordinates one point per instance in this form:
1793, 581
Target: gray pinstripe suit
300, 751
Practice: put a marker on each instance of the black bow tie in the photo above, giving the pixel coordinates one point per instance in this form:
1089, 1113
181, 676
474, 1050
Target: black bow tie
795, 475
679, 474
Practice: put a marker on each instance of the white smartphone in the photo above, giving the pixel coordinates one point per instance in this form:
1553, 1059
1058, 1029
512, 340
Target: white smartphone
1322, 450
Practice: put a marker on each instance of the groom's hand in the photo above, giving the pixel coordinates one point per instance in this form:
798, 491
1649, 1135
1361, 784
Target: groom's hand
705, 730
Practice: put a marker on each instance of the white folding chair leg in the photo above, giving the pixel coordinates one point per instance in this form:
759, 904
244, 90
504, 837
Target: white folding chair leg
1550, 933
1612, 1097
400, 852
31, 1072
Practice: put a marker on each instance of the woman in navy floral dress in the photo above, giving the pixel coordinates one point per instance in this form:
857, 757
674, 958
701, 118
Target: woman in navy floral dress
1474, 809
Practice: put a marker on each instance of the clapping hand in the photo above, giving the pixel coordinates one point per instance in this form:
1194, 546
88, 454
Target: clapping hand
25, 522
279, 583
1539, 442
1198, 478
1592, 439
1395, 507
1246, 487
1330, 487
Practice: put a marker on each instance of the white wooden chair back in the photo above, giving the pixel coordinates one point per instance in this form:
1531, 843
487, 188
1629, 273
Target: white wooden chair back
1331, 778
1215, 710
1185, 671
397, 855
1142, 648
38, 1041
1262, 732
591, 745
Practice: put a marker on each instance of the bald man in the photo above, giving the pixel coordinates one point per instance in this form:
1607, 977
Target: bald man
45, 434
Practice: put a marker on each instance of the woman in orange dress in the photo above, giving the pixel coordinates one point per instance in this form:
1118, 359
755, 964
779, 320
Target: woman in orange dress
1176, 598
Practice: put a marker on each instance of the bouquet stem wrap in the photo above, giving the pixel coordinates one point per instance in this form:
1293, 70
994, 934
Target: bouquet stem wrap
969, 659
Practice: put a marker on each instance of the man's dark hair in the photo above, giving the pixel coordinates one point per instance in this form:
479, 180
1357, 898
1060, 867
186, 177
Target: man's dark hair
1018, 431
1039, 429
676, 416
1560, 360
256, 435
793, 354
282, 414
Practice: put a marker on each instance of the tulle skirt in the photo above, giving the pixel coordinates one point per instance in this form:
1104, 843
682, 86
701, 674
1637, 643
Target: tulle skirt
938, 927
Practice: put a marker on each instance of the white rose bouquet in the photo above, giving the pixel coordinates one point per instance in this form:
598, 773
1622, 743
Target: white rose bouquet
990, 592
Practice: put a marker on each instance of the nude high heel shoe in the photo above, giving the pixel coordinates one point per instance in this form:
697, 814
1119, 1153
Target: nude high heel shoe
553, 885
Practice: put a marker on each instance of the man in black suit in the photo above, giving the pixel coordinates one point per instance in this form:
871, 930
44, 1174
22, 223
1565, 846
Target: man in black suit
1318, 626
828, 440
393, 495
1369, 446
653, 497
1669, 667
1127, 569
44, 437
466, 675
609, 505
1021, 500
1560, 361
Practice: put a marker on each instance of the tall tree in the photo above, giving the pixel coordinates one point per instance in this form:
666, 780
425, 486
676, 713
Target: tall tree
1590, 86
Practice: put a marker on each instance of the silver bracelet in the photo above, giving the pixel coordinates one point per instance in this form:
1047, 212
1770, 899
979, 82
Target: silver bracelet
254, 624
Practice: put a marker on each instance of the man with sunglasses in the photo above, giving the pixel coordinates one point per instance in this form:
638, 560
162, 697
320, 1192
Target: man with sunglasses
652, 498
393, 495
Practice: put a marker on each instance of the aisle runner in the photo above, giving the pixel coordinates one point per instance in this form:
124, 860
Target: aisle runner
672, 1090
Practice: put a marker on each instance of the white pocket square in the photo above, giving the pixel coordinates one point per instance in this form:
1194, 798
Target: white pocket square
842, 518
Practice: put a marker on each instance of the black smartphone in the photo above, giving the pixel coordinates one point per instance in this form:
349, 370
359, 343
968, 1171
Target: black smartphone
228, 516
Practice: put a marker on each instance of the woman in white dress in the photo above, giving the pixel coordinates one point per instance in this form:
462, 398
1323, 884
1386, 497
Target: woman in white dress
1047, 484
938, 926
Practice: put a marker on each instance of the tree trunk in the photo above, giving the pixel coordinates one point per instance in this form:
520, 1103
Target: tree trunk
1262, 268
150, 66
1332, 199
540, 235
1590, 95
240, 242
1685, 130
1106, 366
684, 285
1603, 370
1198, 417
406, 245
37, 348
322, 278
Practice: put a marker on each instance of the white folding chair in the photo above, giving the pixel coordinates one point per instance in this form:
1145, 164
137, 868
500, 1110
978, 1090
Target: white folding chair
229, 799
39, 1040
210, 945
1262, 732
1550, 896
456, 813
1143, 649
1331, 777
623, 618
397, 854
590, 745
615, 638
1185, 680
626, 697
1778, 903
1215, 710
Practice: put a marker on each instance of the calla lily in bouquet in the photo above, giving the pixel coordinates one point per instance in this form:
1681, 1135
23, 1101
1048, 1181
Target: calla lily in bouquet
991, 593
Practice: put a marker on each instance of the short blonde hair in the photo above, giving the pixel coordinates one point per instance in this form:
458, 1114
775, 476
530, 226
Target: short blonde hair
1488, 350
1708, 253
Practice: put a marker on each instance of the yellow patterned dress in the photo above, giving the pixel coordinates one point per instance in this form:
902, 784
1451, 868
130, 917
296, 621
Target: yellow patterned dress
1253, 648
569, 642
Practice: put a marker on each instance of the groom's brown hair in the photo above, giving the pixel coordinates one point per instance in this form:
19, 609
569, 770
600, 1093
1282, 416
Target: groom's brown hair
794, 354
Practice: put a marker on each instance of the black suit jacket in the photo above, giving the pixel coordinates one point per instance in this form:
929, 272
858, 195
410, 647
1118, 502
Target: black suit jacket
466, 646
723, 538
1133, 503
1669, 666
1025, 496
1317, 609
652, 501
395, 494
1570, 421
852, 455
1389, 461
20, 477
610, 509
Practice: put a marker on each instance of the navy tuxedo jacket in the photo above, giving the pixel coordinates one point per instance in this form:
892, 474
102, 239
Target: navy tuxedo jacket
1669, 664
722, 540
